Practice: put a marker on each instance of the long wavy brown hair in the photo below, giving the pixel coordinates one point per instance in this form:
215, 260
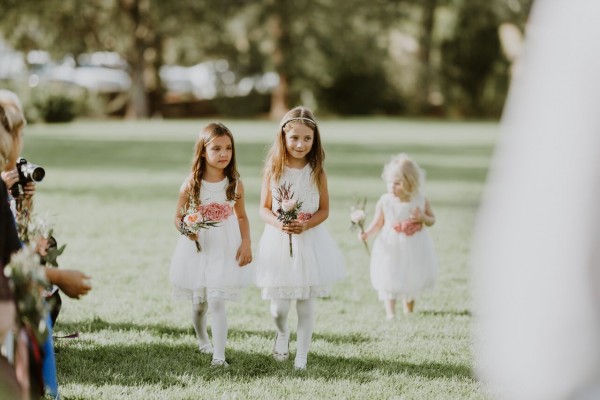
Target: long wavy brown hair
210, 132
277, 156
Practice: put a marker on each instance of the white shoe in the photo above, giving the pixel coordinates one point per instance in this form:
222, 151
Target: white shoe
281, 357
205, 348
216, 363
300, 365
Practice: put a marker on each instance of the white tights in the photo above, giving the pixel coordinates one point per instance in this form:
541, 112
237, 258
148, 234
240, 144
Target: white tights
306, 322
218, 317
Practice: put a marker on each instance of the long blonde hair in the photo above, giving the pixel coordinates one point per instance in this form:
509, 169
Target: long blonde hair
406, 170
211, 131
12, 121
277, 156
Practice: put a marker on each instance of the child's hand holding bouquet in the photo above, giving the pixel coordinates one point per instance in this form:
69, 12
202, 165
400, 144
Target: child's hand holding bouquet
410, 226
195, 218
289, 209
358, 215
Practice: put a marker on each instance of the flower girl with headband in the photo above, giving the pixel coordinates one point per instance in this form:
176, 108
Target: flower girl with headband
403, 260
297, 259
206, 267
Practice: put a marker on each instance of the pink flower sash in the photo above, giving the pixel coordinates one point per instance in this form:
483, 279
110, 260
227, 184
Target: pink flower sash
408, 227
216, 212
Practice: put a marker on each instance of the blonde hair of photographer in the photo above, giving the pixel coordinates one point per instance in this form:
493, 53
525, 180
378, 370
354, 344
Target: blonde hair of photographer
12, 122
11, 128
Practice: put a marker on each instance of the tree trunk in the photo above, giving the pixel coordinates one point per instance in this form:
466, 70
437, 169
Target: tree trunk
138, 101
138, 106
282, 42
424, 79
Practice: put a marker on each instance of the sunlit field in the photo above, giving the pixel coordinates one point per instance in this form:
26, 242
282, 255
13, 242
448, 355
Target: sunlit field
111, 191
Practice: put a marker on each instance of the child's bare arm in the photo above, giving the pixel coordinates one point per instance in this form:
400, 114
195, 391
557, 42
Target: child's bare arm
426, 216
376, 224
265, 212
320, 215
182, 200
244, 253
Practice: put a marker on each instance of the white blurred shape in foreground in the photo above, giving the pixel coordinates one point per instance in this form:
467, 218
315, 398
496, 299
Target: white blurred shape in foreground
535, 258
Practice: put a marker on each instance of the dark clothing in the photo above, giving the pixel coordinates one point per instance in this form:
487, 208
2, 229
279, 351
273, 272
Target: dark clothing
9, 240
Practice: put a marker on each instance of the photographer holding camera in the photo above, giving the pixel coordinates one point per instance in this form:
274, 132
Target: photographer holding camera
73, 283
19, 175
20, 185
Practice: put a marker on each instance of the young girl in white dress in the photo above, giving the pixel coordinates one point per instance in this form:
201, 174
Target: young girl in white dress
206, 268
296, 159
403, 260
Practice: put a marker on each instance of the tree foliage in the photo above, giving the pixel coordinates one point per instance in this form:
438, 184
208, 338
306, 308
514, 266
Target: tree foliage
342, 56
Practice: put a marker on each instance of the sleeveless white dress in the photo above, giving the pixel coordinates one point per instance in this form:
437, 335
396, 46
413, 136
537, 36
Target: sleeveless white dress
402, 266
317, 261
213, 272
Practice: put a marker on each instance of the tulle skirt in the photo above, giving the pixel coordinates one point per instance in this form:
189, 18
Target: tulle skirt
403, 266
316, 264
213, 272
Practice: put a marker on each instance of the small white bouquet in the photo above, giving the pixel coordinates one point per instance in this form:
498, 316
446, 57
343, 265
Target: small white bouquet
358, 216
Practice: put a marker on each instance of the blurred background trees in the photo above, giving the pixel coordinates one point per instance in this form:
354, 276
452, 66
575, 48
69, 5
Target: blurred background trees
179, 58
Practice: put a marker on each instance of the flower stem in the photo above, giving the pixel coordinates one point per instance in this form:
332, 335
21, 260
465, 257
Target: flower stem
291, 252
198, 247
362, 230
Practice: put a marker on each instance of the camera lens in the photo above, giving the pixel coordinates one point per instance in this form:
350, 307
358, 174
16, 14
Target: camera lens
32, 173
38, 174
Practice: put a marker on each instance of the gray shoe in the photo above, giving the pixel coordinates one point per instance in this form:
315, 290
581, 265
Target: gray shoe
216, 363
206, 348
281, 357
300, 365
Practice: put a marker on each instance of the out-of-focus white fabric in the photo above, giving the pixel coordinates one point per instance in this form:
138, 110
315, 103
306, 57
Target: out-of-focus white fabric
536, 271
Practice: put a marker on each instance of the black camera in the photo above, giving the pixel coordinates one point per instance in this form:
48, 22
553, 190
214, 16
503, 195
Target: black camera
28, 172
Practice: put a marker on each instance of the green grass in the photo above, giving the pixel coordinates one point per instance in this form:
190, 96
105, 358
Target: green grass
111, 190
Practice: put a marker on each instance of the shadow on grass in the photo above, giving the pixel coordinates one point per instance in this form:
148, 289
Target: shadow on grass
443, 313
174, 364
98, 325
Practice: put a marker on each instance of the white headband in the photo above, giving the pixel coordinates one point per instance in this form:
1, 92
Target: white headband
298, 119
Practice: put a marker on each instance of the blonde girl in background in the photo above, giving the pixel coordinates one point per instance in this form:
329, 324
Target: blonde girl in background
206, 268
296, 158
403, 260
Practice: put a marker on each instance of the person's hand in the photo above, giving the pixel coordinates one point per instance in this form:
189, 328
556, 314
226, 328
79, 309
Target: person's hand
295, 227
244, 254
72, 282
417, 215
29, 189
193, 237
408, 227
7, 317
42, 247
10, 177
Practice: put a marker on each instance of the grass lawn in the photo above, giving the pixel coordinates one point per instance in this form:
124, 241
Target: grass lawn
111, 191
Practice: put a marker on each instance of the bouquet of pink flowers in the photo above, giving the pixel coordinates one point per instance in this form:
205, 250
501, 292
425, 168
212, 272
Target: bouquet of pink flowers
289, 209
304, 216
198, 217
358, 215
408, 227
